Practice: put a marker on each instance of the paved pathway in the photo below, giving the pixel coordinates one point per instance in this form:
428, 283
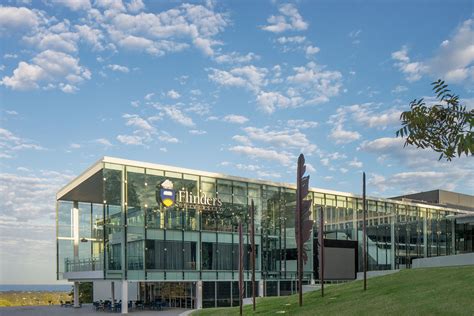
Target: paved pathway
85, 310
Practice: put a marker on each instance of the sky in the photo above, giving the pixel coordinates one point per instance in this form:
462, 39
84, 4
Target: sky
236, 87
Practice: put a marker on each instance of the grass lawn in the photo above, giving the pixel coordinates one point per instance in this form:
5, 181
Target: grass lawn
434, 291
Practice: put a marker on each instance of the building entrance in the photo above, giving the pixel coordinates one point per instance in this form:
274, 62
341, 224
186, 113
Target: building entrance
169, 294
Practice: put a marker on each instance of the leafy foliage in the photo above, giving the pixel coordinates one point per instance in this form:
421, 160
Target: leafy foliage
85, 292
445, 127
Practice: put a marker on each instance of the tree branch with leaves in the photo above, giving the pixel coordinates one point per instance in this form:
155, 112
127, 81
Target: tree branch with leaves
446, 127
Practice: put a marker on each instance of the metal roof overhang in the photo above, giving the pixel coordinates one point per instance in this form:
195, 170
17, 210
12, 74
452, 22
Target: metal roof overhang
106, 159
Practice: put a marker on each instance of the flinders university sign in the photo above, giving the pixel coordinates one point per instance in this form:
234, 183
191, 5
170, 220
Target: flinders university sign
169, 197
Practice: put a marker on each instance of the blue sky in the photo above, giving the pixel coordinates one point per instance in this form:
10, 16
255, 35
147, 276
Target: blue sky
237, 87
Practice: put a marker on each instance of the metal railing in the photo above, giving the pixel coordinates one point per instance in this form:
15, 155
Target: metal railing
84, 264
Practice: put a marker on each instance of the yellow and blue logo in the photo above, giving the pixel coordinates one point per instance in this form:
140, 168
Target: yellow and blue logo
167, 194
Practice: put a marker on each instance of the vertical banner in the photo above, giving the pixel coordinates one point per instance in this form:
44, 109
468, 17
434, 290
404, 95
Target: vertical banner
303, 223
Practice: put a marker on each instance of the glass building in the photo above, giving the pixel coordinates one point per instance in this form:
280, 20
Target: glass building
172, 232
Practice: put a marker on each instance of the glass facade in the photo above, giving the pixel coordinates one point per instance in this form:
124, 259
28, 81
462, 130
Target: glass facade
115, 223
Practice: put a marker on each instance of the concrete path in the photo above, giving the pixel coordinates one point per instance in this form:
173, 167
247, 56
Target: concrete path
85, 310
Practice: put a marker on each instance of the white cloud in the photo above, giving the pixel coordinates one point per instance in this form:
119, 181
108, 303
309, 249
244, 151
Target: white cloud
311, 50
178, 116
199, 108
167, 138
322, 83
270, 101
238, 119
249, 77
246, 167
424, 170
118, 68
242, 139
74, 146
343, 136
10, 56
173, 94
13, 19
413, 181
74, 5
197, 132
135, 6
236, 58
149, 96
354, 35
47, 69
103, 141
283, 158
130, 139
169, 30
291, 40
282, 138
11, 143
302, 124
399, 89
138, 122
289, 20
452, 62
30, 197
309, 85
355, 163
413, 70
58, 37
368, 115
268, 174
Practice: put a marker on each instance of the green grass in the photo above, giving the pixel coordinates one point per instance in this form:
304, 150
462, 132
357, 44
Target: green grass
435, 291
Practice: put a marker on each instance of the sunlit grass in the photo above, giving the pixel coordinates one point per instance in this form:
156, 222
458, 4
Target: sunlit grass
435, 291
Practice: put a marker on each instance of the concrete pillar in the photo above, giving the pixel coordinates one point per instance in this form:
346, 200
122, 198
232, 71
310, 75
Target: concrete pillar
199, 295
278, 289
76, 295
260, 288
124, 297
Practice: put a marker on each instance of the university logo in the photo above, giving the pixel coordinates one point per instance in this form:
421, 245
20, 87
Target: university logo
167, 194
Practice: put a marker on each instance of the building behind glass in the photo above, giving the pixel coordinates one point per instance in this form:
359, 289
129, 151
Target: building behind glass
171, 234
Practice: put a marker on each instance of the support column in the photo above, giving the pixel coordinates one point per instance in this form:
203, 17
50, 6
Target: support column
199, 295
75, 230
124, 297
278, 289
76, 295
453, 237
261, 288
394, 244
112, 291
425, 236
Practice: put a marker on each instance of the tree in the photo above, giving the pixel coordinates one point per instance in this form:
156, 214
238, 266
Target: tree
85, 292
446, 127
